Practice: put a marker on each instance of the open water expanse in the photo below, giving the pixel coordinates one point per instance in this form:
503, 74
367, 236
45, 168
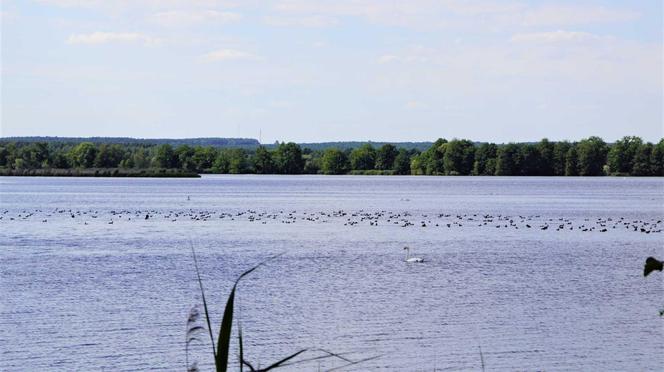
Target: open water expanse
541, 273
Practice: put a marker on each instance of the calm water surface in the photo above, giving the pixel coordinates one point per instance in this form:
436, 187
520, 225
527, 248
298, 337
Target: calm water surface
509, 268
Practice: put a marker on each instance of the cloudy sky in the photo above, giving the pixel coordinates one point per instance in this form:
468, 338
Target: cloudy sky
301, 70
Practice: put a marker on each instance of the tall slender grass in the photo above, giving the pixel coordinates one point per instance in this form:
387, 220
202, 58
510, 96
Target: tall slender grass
220, 349
194, 328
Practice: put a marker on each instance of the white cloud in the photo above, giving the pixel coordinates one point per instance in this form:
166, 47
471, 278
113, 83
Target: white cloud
553, 37
387, 58
471, 15
414, 54
389, 12
280, 104
576, 15
227, 55
184, 18
314, 21
8, 16
71, 3
462, 14
416, 105
123, 5
573, 60
96, 38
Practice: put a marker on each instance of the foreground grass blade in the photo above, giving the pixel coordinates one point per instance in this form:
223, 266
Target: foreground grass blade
221, 357
279, 363
336, 355
207, 315
481, 357
220, 350
320, 357
251, 368
241, 346
224, 339
359, 361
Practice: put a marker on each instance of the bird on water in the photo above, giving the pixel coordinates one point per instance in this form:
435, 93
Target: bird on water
412, 259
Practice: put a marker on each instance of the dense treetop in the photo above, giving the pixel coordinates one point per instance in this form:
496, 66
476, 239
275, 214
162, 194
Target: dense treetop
629, 156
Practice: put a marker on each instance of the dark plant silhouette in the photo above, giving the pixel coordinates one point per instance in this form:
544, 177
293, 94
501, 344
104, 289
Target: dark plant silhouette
221, 347
194, 328
651, 265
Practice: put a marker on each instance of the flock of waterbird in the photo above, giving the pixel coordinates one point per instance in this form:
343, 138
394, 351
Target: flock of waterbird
347, 218
350, 219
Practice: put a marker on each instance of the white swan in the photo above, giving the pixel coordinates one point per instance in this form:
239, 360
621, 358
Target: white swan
412, 259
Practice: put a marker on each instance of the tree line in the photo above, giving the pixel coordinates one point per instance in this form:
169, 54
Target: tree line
629, 156
200, 141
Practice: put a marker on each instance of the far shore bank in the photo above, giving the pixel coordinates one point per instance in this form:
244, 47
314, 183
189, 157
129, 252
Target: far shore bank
100, 172
178, 173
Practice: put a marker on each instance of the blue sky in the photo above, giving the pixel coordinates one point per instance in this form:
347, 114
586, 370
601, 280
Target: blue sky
309, 71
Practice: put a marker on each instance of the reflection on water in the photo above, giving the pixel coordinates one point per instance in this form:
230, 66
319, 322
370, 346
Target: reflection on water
81, 293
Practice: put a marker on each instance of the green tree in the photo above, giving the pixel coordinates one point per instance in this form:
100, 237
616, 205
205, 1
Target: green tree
312, 161
165, 157
363, 158
262, 161
560, 150
334, 161
402, 162
529, 160
546, 157
4, 154
485, 160
19, 163
642, 165
572, 162
238, 162
127, 163
109, 156
184, 155
418, 164
8, 155
507, 162
385, 157
26, 156
41, 154
657, 159
432, 158
458, 157
204, 157
592, 156
60, 161
83, 155
620, 158
222, 162
12, 155
140, 159
288, 158
34, 155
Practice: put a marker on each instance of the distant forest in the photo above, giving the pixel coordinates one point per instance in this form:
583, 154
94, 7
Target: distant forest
205, 141
630, 156
245, 143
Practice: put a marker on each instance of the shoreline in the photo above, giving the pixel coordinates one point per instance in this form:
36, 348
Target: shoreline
175, 173
99, 172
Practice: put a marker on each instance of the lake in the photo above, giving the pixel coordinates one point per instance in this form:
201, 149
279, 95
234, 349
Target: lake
540, 273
